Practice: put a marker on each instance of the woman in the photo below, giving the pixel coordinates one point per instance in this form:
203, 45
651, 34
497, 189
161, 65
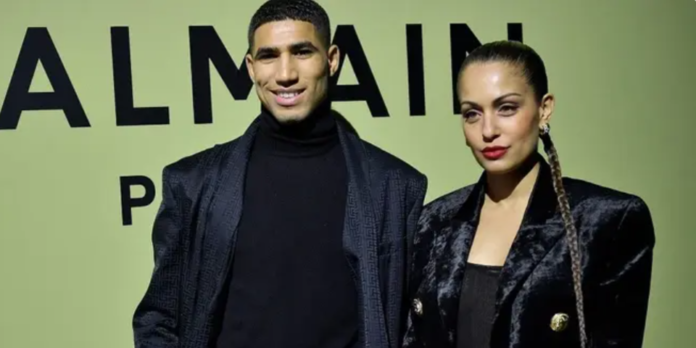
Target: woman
524, 257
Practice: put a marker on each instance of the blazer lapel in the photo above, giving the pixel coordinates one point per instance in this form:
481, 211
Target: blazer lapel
225, 209
534, 239
360, 238
452, 260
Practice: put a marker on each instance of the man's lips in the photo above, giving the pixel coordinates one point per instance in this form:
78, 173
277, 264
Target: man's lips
288, 97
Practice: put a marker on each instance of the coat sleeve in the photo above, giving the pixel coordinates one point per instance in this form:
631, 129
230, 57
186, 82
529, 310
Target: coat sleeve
412, 225
418, 258
416, 196
155, 321
624, 287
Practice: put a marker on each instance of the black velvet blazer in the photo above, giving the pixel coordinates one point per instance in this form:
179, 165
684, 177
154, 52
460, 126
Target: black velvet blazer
616, 240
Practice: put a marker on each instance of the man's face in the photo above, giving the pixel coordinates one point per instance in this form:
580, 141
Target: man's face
290, 68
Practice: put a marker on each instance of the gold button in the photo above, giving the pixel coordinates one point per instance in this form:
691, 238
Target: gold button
559, 322
418, 307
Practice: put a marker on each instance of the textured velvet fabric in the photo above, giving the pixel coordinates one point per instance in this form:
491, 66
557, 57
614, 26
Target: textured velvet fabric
195, 229
616, 240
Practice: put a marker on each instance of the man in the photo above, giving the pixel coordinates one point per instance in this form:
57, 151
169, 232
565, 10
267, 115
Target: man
297, 233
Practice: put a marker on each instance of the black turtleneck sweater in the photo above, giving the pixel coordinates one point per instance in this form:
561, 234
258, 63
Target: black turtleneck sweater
290, 284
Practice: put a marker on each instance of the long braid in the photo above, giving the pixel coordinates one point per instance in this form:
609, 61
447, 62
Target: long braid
571, 232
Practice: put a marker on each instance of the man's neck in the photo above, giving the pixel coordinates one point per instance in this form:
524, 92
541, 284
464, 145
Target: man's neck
316, 134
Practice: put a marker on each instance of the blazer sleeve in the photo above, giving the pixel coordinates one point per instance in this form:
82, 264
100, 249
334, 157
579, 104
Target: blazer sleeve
418, 260
412, 224
417, 197
155, 321
624, 288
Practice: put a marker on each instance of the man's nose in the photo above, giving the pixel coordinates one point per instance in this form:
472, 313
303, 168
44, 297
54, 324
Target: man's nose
287, 71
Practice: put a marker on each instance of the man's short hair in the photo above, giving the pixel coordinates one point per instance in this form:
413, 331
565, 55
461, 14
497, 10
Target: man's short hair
299, 10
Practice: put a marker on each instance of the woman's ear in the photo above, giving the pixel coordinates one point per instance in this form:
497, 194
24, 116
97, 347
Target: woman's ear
548, 102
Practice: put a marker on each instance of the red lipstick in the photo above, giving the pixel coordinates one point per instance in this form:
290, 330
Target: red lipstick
494, 152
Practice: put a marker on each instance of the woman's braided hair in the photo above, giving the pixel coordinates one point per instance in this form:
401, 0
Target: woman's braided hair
534, 71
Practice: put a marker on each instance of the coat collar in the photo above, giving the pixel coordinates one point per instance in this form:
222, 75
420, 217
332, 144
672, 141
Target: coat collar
534, 239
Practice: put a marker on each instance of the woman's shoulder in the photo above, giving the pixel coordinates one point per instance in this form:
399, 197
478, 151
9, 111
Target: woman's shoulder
583, 192
627, 215
601, 205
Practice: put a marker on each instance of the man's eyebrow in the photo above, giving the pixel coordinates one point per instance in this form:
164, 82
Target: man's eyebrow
265, 50
298, 46
303, 45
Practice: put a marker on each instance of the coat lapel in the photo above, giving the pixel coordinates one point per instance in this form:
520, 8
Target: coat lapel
225, 209
534, 239
452, 260
360, 238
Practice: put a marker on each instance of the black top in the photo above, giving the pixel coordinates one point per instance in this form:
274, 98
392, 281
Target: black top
291, 285
477, 306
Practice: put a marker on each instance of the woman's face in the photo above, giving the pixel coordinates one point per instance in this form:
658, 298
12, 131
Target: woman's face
501, 116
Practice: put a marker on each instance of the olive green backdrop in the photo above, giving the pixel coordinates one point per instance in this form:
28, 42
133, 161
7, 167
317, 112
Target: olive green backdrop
71, 273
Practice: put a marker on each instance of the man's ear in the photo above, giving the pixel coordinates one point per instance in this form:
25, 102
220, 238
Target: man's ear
249, 61
334, 57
